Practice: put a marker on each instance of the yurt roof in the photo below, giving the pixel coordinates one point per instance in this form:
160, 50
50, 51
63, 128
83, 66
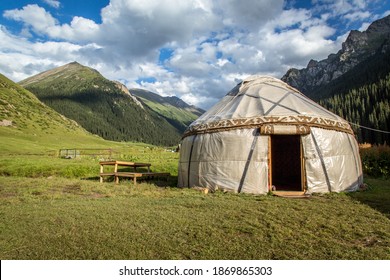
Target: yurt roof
260, 100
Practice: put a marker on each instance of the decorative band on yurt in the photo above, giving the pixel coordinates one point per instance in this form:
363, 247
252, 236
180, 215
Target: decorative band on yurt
299, 120
270, 129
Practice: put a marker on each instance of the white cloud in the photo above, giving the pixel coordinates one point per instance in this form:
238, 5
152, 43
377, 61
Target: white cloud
250, 14
20, 58
11, 43
53, 3
349, 10
79, 30
33, 16
55, 50
360, 4
142, 26
191, 62
359, 15
289, 18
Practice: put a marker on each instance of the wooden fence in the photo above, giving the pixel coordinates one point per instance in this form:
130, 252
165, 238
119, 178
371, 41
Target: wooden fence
83, 152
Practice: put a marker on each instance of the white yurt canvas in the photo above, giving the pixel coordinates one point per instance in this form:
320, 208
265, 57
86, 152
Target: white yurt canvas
265, 135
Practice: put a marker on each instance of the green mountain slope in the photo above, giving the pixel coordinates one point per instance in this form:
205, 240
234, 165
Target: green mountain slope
173, 109
100, 106
28, 125
366, 104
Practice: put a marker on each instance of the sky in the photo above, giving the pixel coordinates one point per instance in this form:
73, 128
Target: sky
196, 50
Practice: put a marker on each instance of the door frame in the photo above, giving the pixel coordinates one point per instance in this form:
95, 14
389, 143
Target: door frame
301, 159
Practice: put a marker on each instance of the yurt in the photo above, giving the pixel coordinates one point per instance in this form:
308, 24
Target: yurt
266, 136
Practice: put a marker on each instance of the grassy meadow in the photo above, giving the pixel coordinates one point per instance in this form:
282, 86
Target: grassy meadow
55, 208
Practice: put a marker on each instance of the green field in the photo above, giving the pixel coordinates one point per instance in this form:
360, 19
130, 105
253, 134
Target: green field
53, 208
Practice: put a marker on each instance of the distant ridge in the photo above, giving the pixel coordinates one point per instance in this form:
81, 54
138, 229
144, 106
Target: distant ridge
177, 112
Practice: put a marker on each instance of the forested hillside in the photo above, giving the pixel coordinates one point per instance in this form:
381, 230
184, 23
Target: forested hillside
367, 105
109, 115
178, 113
100, 106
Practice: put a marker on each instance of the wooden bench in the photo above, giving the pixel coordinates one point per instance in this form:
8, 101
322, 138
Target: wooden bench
133, 175
136, 175
116, 174
106, 174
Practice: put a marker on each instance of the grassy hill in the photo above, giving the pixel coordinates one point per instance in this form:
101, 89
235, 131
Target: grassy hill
28, 125
100, 106
173, 109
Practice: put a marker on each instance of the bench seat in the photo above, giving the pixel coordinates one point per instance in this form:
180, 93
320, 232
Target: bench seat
106, 174
134, 175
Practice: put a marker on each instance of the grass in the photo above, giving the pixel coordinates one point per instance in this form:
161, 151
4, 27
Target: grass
377, 196
65, 218
34, 166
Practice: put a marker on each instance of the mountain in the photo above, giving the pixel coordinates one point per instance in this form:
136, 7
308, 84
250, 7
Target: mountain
101, 106
28, 125
355, 82
173, 109
369, 46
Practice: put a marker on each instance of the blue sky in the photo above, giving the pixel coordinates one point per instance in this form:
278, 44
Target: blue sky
197, 50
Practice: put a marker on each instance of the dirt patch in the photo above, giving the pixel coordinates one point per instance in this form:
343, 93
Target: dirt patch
72, 189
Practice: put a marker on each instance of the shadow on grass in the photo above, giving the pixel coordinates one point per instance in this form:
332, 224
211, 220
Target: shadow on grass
377, 195
170, 181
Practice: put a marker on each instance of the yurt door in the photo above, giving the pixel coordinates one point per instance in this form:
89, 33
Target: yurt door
286, 165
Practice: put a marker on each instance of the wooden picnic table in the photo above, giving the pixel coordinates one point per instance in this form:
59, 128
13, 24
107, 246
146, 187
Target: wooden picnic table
118, 163
134, 175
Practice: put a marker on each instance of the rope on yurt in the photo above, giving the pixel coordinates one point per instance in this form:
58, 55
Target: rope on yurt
369, 128
322, 162
248, 161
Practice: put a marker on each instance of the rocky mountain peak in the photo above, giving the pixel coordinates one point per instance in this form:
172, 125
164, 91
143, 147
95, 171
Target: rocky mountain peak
380, 26
70, 71
355, 41
312, 63
125, 90
357, 47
